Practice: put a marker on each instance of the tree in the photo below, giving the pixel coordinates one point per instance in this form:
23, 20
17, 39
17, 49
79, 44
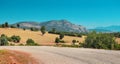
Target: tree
6, 24
16, 39
30, 42
3, 35
24, 29
43, 30
74, 41
3, 25
61, 35
3, 41
12, 26
32, 29
100, 41
53, 30
57, 40
18, 26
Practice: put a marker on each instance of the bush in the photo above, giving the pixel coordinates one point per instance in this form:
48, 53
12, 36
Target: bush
16, 39
61, 36
11, 44
75, 46
9, 39
43, 30
24, 29
117, 34
20, 44
62, 41
32, 29
57, 40
3, 35
117, 46
100, 41
74, 41
6, 24
79, 35
31, 42
3, 41
12, 26
3, 25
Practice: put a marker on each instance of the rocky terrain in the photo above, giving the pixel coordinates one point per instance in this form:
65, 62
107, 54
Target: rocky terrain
59, 25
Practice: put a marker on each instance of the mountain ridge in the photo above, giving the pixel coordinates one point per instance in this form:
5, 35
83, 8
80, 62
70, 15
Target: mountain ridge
59, 25
112, 28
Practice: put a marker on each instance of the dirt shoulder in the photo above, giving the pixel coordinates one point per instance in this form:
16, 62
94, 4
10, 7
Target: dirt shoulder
15, 57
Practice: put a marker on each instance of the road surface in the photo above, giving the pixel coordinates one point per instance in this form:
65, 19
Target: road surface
61, 55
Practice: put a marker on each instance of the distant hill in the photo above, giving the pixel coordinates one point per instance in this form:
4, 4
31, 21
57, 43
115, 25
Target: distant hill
115, 28
59, 25
99, 30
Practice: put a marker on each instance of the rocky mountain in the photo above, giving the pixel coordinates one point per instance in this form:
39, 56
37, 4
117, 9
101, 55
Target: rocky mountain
59, 25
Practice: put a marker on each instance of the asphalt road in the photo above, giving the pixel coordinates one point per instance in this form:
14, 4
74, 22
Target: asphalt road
61, 55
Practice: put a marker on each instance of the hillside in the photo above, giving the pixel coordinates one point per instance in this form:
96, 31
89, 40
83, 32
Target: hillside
114, 28
47, 39
59, 25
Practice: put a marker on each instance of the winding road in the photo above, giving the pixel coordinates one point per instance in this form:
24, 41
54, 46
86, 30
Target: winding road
61, 55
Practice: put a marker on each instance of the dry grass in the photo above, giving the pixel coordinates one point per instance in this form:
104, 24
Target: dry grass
47, 39
118, 40
15, 57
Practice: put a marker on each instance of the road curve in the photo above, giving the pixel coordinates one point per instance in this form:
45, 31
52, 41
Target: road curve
61, 55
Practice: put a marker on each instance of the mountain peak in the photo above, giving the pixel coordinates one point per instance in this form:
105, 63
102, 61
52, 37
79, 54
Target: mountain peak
60, 25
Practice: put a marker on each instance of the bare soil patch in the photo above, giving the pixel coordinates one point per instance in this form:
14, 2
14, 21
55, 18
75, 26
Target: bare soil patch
15, 57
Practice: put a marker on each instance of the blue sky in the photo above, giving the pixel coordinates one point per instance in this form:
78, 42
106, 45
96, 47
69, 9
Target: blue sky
89, 13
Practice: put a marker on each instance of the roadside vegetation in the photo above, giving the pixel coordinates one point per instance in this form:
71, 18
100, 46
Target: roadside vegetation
95, 40
100, 41
31, 42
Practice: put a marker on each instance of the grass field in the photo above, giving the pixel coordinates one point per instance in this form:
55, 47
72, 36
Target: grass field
47, 39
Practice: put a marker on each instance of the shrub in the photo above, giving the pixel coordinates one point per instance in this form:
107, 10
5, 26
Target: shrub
31, 42
20, 44
32, 29
6, 24
3, 25
12, 26
3, 35
24, 29
61, 36
62, 41
79, 35
18, 26
100, 41
75, 46
16, 39
74, 41
43, 30
11, 44
57, 40
9, 39
3, 41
